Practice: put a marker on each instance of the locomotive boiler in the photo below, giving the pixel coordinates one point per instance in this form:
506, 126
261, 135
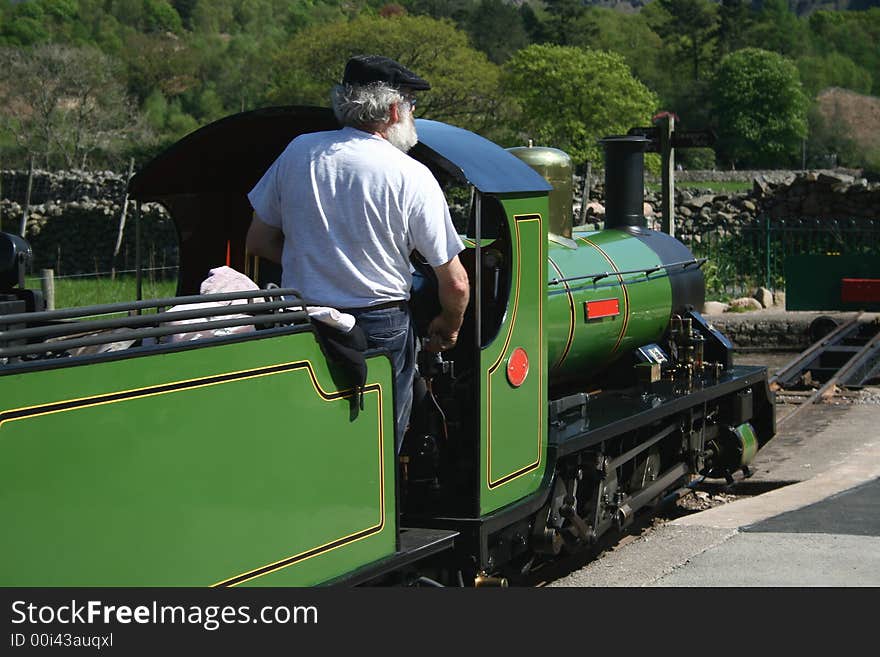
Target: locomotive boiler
585, 385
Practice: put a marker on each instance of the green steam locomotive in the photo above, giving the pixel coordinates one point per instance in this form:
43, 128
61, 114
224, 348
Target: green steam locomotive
585, 386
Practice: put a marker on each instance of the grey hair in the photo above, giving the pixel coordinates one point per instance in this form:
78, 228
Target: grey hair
364, 106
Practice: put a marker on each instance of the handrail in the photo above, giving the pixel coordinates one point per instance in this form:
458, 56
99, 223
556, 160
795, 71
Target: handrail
141, 333
125, 306
59, 330
136, 321
647, 271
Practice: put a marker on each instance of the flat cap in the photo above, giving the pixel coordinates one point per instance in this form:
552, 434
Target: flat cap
364, 69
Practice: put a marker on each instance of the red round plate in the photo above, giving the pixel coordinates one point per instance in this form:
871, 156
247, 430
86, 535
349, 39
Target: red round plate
517, 367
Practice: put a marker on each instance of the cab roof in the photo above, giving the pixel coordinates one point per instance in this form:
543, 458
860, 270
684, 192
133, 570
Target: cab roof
230, 155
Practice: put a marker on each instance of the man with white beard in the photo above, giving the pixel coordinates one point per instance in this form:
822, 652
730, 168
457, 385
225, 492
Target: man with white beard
343, 210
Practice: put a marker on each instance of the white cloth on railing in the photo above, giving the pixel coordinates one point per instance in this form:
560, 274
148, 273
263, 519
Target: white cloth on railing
331, 316
226, 279
221, 279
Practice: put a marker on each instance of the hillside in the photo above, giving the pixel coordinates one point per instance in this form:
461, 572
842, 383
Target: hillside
799, 7
859, 113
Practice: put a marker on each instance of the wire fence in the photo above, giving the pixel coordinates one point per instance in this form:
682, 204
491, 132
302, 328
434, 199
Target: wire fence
148, 271
741, 258
747, 256
103, 287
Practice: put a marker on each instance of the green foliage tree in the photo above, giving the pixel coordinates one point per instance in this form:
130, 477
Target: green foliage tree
168, 119
184, 9
569, 23
458, 11
497, 29
24, 24
532, 23
146, 15
217, 16
159, 61
63, 104
570, 97
689, 27
630, 36
777, 28
735, 19
833, 70
186, 62
240, 71
760, 107
159, 16
97, 27
851, 33
464, 83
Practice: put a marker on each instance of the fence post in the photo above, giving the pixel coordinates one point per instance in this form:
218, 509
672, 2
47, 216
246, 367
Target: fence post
47, 284
767, 251
121, 230
667, 154
138, 276
585, 198
27, 198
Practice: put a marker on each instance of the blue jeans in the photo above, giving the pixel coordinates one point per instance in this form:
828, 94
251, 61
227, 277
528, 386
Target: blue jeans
391, 329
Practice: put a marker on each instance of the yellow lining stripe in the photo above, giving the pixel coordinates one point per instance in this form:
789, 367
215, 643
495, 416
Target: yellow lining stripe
505, 479
571, 315
176, 386
229, 377
611, 262
349, 539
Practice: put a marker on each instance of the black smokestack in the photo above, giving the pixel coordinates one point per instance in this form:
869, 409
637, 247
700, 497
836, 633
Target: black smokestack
624, 180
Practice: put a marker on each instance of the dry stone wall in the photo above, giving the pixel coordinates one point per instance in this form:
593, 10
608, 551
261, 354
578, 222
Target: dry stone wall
73, 222
74, 215
805, 207
825, 195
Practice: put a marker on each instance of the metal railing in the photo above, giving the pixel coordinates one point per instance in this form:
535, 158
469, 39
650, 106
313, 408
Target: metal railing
745, 256
57, 331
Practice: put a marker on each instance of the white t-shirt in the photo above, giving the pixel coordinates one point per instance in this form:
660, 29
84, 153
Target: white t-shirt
352, 207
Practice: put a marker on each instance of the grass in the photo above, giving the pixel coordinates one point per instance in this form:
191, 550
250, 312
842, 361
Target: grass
89, 291
714, 186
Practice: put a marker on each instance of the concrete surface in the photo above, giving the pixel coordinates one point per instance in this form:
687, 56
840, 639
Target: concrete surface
823, 530
773, 559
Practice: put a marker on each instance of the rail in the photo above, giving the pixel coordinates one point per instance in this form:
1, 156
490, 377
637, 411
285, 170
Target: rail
848, 356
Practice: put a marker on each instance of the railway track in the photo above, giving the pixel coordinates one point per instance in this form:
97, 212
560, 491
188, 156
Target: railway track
845, 359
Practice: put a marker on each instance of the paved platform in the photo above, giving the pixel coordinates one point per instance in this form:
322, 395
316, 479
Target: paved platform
821, 530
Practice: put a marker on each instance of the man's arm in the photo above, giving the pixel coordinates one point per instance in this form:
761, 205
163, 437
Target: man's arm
455, 292
264, 240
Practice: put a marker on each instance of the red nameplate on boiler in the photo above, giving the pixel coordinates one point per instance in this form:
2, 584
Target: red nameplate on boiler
602, 308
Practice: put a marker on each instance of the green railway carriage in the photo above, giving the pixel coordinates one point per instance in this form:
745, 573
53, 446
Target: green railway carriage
585, 385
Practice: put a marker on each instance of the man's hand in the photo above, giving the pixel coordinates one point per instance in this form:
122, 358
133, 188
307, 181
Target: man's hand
454, 292
442, 334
